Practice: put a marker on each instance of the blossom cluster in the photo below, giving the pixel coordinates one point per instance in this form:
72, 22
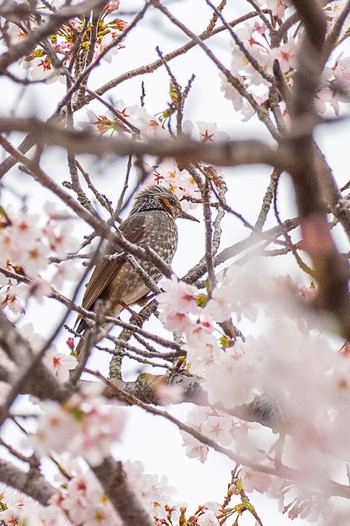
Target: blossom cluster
81, 501
26, 246
63, 43
180, 310
258, 41
85, 424
149, 127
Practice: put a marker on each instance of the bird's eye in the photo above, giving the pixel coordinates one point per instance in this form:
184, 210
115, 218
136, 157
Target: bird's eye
172, 201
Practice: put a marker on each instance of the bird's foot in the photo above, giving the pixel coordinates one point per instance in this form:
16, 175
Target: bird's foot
136, 318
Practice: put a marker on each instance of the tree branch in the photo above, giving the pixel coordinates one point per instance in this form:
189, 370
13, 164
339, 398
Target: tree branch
30, 482
114, 481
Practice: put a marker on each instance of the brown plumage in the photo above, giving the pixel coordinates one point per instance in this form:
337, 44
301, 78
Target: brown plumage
151, 223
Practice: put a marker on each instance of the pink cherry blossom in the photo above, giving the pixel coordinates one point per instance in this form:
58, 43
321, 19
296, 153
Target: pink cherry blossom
38, 288
180, 182
60, 364
286, 56
277, 7
10, 299
229, 381
177, 302
195, 448
208, 518
66, 270
150, 126
220, 304
218, 428
61, 239
85, 425
255, 480
169, 394
231, 93
208, 132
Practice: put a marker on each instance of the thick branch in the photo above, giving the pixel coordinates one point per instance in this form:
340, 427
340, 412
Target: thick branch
114, 481
330, 267
262, 410
231, 153
31, 482
30, 375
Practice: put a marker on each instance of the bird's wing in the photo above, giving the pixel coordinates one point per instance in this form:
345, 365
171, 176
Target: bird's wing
133, 230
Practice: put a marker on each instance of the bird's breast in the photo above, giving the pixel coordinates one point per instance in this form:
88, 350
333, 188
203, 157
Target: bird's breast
159, 232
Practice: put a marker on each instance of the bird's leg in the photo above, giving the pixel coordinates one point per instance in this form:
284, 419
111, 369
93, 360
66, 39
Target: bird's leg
135, 316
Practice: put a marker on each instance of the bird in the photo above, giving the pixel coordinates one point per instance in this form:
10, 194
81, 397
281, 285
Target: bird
116, 283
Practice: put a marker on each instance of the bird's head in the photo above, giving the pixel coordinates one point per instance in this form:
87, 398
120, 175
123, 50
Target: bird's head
159, 198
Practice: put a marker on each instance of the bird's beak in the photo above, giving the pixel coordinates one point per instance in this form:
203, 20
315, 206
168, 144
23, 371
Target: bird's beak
185, 215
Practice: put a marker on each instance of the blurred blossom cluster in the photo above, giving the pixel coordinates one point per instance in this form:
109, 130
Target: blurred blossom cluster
294, 362
257, 40
26, 245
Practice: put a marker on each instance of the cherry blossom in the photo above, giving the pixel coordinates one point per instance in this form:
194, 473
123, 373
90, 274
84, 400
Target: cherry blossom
286, 56
150, 127
280, 355
34, 515
66, 270
26, 245
36, 340
9, 298
194, 448
213, 424
177, 302
219, 429
231, 93
61, 239
104, 42
233, 294
169, 394
229, 380
254, 480
180, 182
112, 5
109, 121
60, 364
277, 7
85, 424
152, 490
11, 505
208, 518
208, 132
37, 288
332, 12
334, 89
40, 63
81, 501
219, 306
40, 68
